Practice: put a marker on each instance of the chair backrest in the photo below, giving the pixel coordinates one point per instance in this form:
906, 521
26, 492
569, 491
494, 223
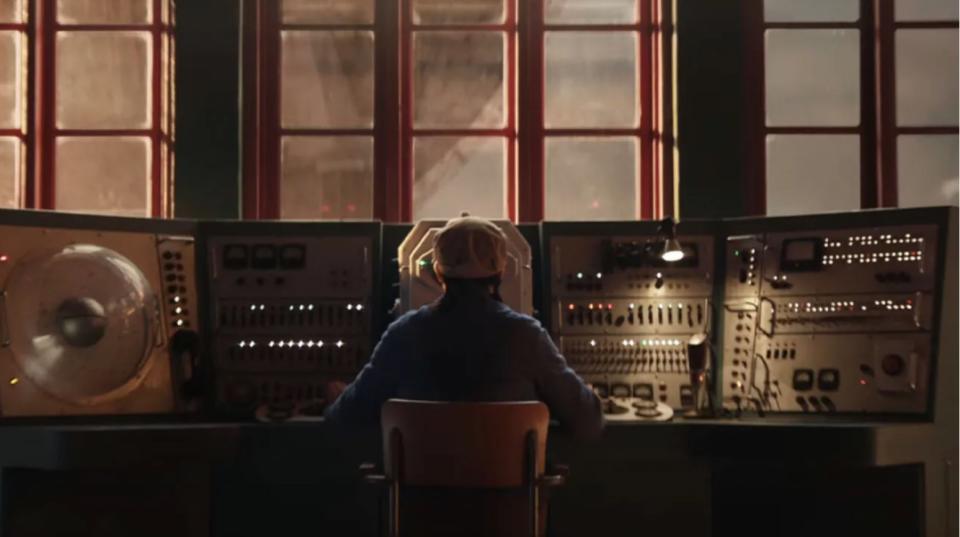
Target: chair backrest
475, 445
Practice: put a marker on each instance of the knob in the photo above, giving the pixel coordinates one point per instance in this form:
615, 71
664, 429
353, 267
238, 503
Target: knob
892, 364
82, 321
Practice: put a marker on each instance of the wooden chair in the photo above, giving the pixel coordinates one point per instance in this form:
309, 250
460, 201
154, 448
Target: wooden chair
466, 454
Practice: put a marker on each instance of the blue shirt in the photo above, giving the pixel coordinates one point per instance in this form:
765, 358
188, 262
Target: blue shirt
469, 347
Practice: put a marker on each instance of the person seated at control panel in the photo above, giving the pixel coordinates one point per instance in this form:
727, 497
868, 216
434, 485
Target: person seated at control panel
469, 345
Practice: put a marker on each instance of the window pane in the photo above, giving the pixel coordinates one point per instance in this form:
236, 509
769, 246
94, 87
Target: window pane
452, 175
925, 10
458, 79
9, 173
327, 79
326, 177
107, 175
926, 67
458, 11
104, 11
591, 79
11, 11
327, 11
813, 77
590, 11
927, 170
811, 10
591, 178
103, 80
11, 80
812, 173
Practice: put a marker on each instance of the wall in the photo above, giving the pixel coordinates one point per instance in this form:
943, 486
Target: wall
710, 101
207, 108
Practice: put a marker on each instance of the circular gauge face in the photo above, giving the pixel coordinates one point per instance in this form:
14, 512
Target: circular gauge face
83, 322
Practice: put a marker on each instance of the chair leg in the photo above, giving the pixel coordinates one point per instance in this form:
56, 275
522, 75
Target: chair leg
396, 446
533, 488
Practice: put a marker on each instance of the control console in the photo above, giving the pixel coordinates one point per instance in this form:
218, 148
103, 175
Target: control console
622, 316
292, 308
831, 317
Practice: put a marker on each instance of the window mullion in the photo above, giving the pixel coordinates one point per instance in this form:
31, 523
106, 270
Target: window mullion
881, 190
646, 191
404, 212
44, 24
531, 180
387, 149
157, 209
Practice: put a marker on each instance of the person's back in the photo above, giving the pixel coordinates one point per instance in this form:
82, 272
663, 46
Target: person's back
469, 346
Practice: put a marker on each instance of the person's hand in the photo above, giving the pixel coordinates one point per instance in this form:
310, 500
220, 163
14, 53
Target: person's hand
332, 390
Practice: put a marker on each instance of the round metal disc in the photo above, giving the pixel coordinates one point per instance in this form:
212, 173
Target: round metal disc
83, 322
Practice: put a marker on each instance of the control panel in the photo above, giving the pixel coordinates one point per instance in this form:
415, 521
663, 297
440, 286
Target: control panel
94, 313
831, 320
419, 285
622, 316
291, 309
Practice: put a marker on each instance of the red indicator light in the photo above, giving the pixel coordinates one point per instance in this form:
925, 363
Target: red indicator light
609, 306
863, 382
4, 258
570, 307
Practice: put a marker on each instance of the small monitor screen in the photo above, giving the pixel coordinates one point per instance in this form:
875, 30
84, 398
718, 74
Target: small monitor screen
799, 255
799, 251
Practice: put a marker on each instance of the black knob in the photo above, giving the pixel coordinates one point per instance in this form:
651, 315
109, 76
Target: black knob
892, 364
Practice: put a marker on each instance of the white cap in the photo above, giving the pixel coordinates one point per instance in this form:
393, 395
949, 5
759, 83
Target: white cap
470, 248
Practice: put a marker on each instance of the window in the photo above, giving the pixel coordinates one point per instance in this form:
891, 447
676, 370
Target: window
91, 129
857, 106
13, 117
459, 122
925, 57
412, 109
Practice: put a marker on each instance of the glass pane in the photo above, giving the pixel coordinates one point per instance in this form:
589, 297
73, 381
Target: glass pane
106, 175
925, 10
591, 178
812, 173
458, 11
9, 173
104, 12
927, 170
458, 79
11, 80
590, 11
11, 11
926, 67
327, 79
103, 80
452, 175
591, 79
326, 177
813, 77
327, 11
811, 10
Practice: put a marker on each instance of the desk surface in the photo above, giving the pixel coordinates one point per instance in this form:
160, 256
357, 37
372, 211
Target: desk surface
758, 440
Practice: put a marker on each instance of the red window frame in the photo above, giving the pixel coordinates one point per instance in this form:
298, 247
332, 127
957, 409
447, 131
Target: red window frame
409, 132
41, 170
393, 116
878, 128
888, 130
23, 133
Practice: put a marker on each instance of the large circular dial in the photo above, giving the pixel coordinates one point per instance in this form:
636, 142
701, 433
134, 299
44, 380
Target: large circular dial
83, 322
